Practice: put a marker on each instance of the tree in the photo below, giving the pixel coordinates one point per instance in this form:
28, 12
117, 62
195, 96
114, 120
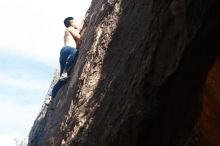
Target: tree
20, 142
138, 78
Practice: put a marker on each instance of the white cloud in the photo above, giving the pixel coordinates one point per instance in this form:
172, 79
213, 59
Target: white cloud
8, 139
34, 37
49, 7
11, 111
23, 83
16, 120
34, 28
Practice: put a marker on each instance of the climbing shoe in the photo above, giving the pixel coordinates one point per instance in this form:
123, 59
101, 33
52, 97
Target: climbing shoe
64, 77
48, 100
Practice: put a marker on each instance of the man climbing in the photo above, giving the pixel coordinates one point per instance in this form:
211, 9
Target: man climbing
68, 55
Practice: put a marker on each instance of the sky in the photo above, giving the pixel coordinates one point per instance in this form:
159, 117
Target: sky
31, 36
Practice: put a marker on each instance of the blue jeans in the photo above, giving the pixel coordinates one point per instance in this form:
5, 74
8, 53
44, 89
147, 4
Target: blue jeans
68, 56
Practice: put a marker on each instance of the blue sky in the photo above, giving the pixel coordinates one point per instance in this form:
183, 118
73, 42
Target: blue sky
31, 34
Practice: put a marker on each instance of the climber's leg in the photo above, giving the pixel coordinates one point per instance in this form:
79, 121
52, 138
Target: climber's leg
62, 64
71, 60
56, 88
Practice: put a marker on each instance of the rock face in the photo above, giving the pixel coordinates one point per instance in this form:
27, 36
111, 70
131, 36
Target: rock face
138, 78
209, 132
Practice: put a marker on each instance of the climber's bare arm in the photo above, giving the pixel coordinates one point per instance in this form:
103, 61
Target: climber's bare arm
75, 33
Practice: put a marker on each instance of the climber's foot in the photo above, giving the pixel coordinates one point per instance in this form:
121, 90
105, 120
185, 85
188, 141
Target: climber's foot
48, 101
64, 77
51, 106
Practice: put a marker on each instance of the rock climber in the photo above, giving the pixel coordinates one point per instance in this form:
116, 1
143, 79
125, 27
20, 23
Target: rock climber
68, 55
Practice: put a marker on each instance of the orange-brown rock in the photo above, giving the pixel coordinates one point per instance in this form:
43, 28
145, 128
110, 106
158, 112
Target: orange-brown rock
209, 131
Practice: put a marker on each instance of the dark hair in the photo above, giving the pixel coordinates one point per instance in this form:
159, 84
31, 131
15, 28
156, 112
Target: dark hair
67, 21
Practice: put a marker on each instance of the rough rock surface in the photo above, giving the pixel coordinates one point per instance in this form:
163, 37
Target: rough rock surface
209, 132
138, 78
